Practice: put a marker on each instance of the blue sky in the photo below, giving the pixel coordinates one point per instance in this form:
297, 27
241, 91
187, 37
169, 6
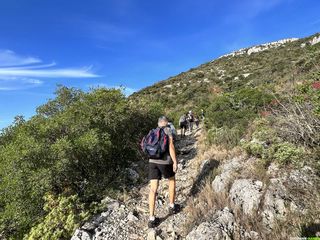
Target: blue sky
133, 43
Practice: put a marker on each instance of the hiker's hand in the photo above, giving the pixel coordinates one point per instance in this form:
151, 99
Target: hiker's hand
175, 167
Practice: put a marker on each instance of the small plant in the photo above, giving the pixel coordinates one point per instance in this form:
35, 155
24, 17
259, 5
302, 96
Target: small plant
228, 137
285, 153
265, 144
297, 119
64, 216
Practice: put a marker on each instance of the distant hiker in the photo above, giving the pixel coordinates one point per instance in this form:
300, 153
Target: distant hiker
202, 114
173, 129
183, 124
158, 144
196, 121
190, 119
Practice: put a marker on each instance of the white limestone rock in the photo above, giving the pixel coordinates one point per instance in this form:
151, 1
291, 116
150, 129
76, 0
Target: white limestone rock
221, 182
315, 40
246, 194
220, 227
260, 48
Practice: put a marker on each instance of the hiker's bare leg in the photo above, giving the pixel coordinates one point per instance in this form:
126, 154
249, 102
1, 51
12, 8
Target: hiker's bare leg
172, 189
152, 195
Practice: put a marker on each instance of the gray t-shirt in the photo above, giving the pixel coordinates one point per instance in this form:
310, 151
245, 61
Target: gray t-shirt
166, 159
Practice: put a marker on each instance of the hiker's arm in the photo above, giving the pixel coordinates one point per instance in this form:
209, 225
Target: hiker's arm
172, 151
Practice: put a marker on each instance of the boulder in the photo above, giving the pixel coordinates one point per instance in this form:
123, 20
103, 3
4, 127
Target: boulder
131, 217
246, 194
81, 235
222, 181
133, 175
152, 235
274, 206
221, 226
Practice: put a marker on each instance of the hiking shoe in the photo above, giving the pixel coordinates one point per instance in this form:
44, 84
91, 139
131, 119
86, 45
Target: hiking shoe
154, 223
175, 209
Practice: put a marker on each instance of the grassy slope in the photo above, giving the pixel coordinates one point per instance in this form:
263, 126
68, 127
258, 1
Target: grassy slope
275, 68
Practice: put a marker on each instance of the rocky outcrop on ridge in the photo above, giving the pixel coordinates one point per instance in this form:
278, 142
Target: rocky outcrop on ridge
260, 48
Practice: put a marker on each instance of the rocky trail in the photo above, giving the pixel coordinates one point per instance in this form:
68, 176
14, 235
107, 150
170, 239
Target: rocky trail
248, 202
128, 220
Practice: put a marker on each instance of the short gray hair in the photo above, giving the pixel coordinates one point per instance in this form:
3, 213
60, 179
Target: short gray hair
163, 118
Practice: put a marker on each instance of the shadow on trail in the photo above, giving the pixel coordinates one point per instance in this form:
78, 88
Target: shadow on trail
205, 172
311, 230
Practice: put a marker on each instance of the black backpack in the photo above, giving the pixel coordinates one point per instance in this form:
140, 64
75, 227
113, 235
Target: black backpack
156, 143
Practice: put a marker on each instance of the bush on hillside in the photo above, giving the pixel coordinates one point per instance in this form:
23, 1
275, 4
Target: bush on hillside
231, 113
297, 118
228, 137
64, 215
263, 142
77, 144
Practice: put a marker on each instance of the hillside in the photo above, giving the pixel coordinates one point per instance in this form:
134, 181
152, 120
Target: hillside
274, 66
252, 171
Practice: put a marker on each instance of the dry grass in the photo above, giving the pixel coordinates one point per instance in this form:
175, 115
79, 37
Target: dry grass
206, 202
297, 122
213, 152
200, 206
257, 170
294, 225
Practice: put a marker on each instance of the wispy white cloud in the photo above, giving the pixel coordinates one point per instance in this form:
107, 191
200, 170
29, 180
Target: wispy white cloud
18, 83
21, 72
48, 73
10, 58
38, 66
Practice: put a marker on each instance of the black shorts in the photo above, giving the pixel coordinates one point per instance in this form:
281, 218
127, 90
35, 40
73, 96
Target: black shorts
183, 125
157, 171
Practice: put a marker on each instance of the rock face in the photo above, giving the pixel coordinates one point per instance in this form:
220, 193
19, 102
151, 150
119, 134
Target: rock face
260, 48
274, 202
221, 182
246, 194
285, 193
220, 227
315, 40
311, 42
115, 223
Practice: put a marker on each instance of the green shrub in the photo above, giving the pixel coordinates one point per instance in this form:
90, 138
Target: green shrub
264, 143
237, 108
297, 118
232, 112
254, 148
64, 215
228, 137
77, 144
285, 153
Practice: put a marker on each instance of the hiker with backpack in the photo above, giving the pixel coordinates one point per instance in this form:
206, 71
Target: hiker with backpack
173, 129
202, 114
196, 121
190, 120
159, 146
183, 124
